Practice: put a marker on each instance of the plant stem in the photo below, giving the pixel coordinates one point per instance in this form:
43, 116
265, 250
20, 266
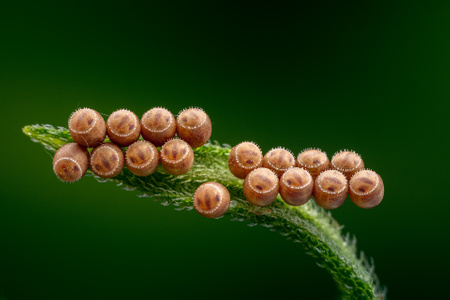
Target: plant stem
308, 224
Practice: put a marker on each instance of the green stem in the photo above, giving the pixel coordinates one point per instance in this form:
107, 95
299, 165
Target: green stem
309, 225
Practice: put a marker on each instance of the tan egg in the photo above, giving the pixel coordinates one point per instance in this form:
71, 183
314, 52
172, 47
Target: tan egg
261, 187
330, 189
194, 127
107, 160
366, 189
177, 157
279, 160
314, 161
142, 158
123, 127
87, 127
296, 186
211, 200
347, 162
71, 162
244, 158
158, 125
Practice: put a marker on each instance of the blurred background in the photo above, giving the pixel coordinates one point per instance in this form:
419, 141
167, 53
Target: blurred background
371, 77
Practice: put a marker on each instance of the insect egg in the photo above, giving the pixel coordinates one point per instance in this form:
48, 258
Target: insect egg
261, 187
244, 158
296, 186
123, 127
142, 158
87, 127
194, 127
71, 162
107, 160
330, 189
366, 189
314, 161
278, 160
158, 125
347, 162
211, 200
177, 157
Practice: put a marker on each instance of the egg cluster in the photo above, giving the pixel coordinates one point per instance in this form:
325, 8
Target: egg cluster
311, 174
157, 127
265, 176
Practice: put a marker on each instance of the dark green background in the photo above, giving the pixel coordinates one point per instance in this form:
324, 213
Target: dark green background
372, 77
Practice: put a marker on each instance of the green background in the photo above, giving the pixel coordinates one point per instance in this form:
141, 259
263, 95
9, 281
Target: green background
371, 77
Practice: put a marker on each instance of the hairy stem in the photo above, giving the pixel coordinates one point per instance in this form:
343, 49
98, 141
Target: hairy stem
309, 225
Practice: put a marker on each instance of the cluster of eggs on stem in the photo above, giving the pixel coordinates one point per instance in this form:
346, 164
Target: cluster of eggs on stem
265, 176
157, 127
311, 174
